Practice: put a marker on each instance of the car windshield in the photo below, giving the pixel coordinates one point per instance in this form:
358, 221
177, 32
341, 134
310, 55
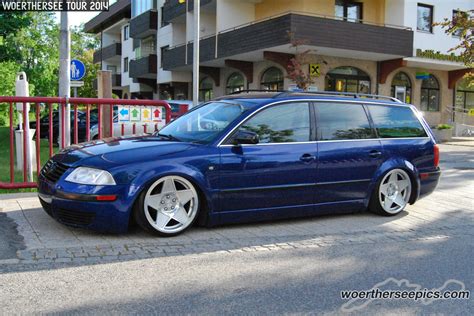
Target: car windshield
203, 124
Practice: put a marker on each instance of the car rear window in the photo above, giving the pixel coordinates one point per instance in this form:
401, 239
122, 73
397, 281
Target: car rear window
338, 121
396, 122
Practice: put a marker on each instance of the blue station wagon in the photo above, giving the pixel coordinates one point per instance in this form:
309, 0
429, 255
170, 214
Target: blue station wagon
248, 157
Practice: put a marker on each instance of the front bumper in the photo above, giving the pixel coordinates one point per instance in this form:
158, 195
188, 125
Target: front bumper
81, 209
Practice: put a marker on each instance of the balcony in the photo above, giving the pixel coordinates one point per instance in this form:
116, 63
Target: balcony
326, 36
111, 52
172, 9
144, 68
144, 25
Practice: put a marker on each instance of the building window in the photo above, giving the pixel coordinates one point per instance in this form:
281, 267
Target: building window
126, 32
125, 64
457, 13
205, 89
349, 10
163, 22
348, 79
424, 18
272, 79
235, 83
112, 69
141, 6
147, 47
430, 94
401, 87
464, 95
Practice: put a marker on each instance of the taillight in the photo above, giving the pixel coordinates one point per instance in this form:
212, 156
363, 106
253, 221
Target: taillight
436, 155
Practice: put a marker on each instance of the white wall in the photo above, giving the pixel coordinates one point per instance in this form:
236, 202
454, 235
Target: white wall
438, 40
127, 51
231, 13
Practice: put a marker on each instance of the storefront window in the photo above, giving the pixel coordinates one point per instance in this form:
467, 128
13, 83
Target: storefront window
430, 94
464, 95
401, 87
205, 89
348, 79
272, 79
235, 83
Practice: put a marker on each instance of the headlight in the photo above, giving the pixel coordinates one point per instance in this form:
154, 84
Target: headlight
92, 176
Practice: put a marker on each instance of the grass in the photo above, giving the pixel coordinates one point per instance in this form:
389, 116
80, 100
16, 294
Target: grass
5, 160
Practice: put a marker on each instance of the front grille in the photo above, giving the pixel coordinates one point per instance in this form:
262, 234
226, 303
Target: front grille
74, 218
53, 170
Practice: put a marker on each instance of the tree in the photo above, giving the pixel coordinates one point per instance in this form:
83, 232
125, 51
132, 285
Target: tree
8, 70
295, 68
462, 26
83, 46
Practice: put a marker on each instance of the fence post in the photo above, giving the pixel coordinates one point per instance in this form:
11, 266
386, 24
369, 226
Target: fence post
104, 90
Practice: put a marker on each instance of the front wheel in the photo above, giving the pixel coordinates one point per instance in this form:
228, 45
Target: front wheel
168, 207
392, 193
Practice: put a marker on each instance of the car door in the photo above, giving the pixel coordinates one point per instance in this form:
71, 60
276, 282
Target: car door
349, 152
277, 174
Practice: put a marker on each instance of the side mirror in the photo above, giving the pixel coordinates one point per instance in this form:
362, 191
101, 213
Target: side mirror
245, 137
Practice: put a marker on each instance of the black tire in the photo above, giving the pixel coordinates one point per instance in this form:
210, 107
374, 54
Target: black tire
140, 217
375, 203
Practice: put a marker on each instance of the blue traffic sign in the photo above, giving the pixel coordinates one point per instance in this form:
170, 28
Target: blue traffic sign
78, 70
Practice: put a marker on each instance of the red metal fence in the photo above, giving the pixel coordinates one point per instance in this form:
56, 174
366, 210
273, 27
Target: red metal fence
48, 104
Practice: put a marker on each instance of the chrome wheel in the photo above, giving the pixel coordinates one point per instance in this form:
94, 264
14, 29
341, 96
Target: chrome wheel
171, 204
395, 191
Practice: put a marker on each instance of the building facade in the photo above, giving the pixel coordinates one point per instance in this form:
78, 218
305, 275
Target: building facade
384, 47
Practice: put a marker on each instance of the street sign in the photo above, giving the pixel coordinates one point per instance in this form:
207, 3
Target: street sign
135, 113
146, 114
78, 70
77, 84
123, 113
314, 70
156, 113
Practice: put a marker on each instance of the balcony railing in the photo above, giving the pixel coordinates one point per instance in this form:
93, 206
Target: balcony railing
145, 67
108, 52
173, 8
144, 25
314, 30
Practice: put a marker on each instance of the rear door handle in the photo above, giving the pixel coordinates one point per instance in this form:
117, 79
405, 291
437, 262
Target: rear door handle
307, 158
375, 153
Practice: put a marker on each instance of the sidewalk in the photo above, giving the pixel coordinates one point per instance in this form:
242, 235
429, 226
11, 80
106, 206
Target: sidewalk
461, 141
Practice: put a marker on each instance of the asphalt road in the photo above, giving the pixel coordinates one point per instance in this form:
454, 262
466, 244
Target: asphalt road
303, 272
10, 240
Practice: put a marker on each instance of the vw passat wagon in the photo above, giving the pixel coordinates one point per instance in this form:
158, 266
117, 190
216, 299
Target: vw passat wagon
248, 157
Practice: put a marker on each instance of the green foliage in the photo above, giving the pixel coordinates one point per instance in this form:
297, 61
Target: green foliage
462, 26
8, 70
30, 43
443, 126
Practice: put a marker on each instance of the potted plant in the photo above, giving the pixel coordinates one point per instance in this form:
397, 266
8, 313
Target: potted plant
443, 132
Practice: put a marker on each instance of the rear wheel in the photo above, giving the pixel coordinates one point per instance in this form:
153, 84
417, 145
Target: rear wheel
392, 193
168, 207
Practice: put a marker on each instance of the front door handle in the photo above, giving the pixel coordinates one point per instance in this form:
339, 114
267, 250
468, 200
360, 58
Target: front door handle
375, 153
307, 158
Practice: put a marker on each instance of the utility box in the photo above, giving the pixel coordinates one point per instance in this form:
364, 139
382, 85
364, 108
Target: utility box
19, 150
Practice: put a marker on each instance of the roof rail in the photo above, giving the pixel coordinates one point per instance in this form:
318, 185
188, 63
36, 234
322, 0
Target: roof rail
255, 90
336, 93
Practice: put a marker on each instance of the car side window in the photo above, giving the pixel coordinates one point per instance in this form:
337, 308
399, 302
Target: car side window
342, 121
284, 123
396, 122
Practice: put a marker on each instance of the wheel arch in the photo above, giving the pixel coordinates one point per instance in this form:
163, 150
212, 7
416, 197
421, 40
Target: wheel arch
196, 178
396, 163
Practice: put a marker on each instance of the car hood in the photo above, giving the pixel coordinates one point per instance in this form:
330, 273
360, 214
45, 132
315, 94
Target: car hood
119, 151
